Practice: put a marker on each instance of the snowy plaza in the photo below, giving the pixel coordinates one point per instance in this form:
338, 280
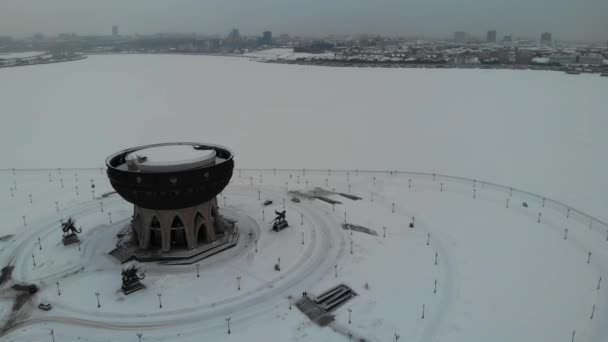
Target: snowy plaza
479, 198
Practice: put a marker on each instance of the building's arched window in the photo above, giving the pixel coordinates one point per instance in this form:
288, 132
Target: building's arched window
155, 223
177, 223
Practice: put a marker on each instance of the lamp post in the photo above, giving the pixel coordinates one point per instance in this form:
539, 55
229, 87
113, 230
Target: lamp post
290, 297
350, 311
228, 322
98, 303
58, 290
238, 283
139, 335
198, 274
160, 303
52, 335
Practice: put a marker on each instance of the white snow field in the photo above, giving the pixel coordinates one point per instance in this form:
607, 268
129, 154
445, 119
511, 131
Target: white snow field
503, 272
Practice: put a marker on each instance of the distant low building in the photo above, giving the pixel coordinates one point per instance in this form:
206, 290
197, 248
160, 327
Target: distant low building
115, 31
5, 42
590, 59
507, 39
524, 56
562, 59
314, 47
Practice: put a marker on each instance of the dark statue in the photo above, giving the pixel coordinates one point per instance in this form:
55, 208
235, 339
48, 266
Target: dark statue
279, 223
69, 227
131, 280
70, 232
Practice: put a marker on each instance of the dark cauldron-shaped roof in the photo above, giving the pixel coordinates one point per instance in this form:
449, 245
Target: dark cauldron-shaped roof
175, 183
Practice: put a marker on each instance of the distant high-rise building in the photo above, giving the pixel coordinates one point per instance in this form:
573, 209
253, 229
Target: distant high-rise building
545, 38
491, 36
507, 39
267, 37
115, 30
459, 36
234, 38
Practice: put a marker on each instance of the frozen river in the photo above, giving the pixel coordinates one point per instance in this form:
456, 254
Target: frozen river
539, 131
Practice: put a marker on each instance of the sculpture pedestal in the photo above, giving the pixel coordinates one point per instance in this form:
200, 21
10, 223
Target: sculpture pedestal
278, 226
132, 287
70, 239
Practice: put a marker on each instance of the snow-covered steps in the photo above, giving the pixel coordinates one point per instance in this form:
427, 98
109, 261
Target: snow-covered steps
125, 253
318, 309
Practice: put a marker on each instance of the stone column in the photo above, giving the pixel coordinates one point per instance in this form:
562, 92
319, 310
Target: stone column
165, 229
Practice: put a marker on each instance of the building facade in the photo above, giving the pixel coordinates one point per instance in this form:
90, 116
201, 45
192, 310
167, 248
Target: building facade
491, 36
173, 188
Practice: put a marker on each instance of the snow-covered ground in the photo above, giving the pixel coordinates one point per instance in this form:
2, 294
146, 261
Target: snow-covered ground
21, 54
541, 131
501, 275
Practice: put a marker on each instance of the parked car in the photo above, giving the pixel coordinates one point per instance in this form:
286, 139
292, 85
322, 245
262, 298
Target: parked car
295, 200
45, 306
267, 202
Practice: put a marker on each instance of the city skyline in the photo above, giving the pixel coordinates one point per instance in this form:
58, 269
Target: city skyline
584, 22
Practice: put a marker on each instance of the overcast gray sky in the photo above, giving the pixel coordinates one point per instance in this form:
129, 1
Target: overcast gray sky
567, 19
